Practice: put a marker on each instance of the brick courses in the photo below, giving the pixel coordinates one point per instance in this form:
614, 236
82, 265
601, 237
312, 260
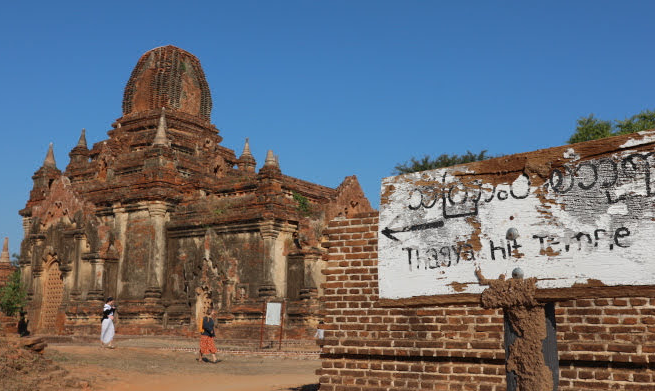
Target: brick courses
604, 343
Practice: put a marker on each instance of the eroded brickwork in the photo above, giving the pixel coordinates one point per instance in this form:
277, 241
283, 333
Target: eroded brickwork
169, 222
168, 77
603, 343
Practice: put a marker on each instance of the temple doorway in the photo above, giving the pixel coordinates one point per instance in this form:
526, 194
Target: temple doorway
53, 293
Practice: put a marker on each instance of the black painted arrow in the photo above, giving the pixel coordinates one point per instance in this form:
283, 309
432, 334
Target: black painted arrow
388, 232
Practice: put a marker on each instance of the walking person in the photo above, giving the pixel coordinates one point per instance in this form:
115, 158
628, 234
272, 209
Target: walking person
207, 345
107, 331
22, 325
320, 334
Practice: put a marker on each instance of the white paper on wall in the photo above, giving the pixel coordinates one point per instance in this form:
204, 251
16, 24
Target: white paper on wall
273, 314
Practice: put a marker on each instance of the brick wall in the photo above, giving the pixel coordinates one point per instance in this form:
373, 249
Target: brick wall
604, 343
8, 324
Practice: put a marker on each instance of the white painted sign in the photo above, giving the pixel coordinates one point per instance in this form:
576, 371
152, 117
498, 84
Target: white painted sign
585, 214
273, 312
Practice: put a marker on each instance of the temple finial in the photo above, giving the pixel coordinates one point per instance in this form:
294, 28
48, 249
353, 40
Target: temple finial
50, 158
247, 161
246, 149
160, 137
82, 141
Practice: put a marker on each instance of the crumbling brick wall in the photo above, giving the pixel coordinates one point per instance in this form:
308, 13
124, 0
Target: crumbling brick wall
604, 343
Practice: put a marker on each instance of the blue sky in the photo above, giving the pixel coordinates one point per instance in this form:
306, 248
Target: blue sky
335, 88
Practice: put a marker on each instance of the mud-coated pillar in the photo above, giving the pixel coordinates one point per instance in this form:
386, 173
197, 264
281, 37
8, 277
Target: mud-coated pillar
548, 348
157, 262
269, 235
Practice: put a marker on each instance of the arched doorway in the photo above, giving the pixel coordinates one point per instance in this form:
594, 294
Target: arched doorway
53, 293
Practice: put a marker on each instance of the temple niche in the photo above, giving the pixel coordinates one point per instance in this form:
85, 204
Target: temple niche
165, 219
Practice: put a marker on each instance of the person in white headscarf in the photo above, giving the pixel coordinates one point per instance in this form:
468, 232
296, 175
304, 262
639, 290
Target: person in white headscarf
107, 332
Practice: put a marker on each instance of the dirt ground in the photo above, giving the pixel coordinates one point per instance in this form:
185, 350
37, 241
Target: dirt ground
148, 368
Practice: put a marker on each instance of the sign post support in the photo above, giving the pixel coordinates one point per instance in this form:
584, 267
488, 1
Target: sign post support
548, 349
261, 330
284, 305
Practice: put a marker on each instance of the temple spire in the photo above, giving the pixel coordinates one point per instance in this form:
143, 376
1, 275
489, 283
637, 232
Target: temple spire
271, 160
4, 257
271, 164
246, 149
82, 141
160, 137
247, 161
50, 158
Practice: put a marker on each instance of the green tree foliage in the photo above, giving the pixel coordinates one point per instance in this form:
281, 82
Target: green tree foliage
445, 160
591, 128
12, 295
637, 123
588, 128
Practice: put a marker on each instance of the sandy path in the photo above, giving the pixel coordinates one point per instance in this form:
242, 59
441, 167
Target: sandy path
217, 382
133, 369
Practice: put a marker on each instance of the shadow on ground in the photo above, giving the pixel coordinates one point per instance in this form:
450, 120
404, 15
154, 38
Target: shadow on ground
306, 387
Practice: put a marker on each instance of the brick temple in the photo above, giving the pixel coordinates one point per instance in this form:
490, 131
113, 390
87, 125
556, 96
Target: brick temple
168, 221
